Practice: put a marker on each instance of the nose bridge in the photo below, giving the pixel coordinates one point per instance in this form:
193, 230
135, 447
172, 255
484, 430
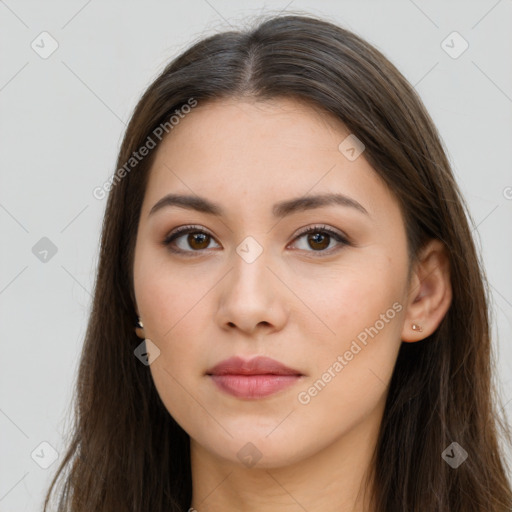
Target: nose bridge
250, 273
249, 295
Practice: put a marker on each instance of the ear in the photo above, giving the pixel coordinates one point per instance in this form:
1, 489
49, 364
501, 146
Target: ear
430, 292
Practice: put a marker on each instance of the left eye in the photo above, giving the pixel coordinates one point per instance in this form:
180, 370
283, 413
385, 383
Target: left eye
318, 238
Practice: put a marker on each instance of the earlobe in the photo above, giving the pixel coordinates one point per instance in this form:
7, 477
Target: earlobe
430, 292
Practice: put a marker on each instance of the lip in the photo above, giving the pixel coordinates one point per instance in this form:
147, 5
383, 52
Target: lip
256, 378
256, 366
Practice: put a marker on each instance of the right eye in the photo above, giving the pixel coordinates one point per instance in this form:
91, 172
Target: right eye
197, 240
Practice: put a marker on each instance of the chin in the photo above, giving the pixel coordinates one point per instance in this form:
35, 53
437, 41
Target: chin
255, 450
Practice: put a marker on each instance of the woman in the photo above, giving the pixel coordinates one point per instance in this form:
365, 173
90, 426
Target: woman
289, 311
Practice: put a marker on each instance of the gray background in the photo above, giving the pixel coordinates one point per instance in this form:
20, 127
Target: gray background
61, 123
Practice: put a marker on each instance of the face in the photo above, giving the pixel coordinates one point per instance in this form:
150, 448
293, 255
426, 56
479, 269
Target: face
245, 280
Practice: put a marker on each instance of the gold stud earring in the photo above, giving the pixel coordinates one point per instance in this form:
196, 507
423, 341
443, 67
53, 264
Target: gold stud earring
416, 327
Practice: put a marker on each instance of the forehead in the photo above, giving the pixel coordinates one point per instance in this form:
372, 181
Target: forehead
282, 123
250, 153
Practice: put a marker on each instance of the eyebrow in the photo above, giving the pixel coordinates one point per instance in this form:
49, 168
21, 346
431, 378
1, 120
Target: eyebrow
279, 210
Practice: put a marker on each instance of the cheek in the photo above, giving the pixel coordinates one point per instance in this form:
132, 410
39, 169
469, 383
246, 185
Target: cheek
167, 295
172, 303
350, 369
363, 313
176, 314
351, 298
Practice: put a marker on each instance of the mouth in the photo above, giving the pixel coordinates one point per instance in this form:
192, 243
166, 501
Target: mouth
254, 379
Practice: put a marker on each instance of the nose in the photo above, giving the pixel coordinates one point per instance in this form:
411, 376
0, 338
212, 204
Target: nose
252, 297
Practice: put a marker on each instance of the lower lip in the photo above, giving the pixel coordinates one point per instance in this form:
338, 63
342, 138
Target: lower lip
253, 386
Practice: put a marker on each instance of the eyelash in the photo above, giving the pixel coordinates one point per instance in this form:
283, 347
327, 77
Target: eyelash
178, 232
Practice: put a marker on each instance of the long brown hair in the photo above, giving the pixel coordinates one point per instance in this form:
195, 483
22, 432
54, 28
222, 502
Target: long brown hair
128, 454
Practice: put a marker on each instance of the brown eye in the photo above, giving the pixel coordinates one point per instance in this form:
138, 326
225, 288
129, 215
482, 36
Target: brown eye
188, 239
319, 241
319, 238
198, 240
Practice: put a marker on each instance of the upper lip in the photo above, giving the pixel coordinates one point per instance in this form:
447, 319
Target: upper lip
257, 366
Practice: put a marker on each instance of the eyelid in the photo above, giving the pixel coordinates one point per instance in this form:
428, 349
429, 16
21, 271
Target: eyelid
184, 229
322, 227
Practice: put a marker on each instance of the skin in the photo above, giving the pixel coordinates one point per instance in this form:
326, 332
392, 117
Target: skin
294, 303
